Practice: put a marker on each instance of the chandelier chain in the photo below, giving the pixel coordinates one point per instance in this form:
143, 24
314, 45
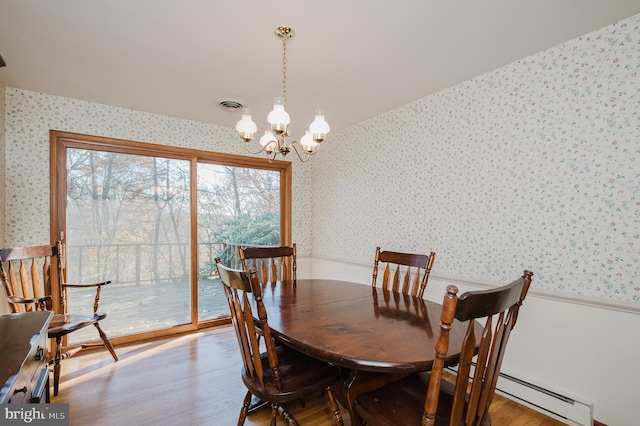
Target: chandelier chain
284, 71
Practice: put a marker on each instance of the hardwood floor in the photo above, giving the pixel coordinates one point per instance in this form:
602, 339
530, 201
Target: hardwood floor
193, 380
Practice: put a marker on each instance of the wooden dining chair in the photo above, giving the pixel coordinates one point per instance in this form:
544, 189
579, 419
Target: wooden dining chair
428, 399
405, 279
272, 263
279, 374
34, 280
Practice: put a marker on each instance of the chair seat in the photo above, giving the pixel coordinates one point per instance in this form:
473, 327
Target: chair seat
402, 402
67, 323
302, 375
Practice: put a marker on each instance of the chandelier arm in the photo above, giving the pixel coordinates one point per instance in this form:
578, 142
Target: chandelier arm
246, 145
307, 155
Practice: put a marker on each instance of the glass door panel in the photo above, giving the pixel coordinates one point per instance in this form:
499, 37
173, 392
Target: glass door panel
128, 221
236, 206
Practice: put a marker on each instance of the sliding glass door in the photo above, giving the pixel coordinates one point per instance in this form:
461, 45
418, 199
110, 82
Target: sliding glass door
152, 220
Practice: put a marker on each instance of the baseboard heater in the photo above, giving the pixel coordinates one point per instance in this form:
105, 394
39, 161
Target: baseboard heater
551, 403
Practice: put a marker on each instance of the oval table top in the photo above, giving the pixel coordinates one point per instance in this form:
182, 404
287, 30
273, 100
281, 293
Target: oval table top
358, 327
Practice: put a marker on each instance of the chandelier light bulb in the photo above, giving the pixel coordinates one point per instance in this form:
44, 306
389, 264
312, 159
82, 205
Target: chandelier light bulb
278, 117
308, 144
319, 128
246, 127
268, 141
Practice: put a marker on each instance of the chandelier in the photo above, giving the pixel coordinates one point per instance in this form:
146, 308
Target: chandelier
274, 141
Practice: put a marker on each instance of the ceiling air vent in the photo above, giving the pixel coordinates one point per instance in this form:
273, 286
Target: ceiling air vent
230, 104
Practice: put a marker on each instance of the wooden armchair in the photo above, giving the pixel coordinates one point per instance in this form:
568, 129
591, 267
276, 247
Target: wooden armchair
34, 280
414, 281
272, 263
280, 374
427, 399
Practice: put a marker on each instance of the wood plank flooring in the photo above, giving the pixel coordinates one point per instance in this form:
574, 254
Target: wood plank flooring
193, 380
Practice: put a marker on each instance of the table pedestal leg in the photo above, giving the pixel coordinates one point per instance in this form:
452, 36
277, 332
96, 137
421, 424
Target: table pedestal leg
364, 381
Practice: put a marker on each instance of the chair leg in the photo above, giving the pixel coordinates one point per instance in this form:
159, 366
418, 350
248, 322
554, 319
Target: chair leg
107, 343
333, 406
56, 365
286, 416
245, 408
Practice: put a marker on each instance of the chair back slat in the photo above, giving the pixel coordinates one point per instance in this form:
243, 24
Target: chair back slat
286, 268
13, 289
473, 395
495, 362
413, 286
464, 371
499, 308
241, 332
263, 270
253, 339
272, 263
396, 279
26, 283
411, 272
38, 290
385, 278
273, 270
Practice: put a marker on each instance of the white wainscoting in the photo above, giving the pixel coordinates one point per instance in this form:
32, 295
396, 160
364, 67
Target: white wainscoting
584, 348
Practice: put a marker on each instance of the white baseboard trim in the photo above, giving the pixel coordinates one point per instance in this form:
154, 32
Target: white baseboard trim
555, 404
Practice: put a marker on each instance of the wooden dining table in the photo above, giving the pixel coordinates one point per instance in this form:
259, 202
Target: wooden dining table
376, 335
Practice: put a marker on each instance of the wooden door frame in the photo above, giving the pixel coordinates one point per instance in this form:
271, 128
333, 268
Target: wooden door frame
61, 140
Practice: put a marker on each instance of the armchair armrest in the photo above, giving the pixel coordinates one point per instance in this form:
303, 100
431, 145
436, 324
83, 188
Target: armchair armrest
98, 287
83, 285
40, 301
25, 300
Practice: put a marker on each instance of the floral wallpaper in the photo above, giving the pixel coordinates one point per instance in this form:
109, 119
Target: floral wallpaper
3, 157
30, 116
534, 165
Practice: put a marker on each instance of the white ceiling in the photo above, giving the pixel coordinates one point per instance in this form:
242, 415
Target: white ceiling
354, 58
